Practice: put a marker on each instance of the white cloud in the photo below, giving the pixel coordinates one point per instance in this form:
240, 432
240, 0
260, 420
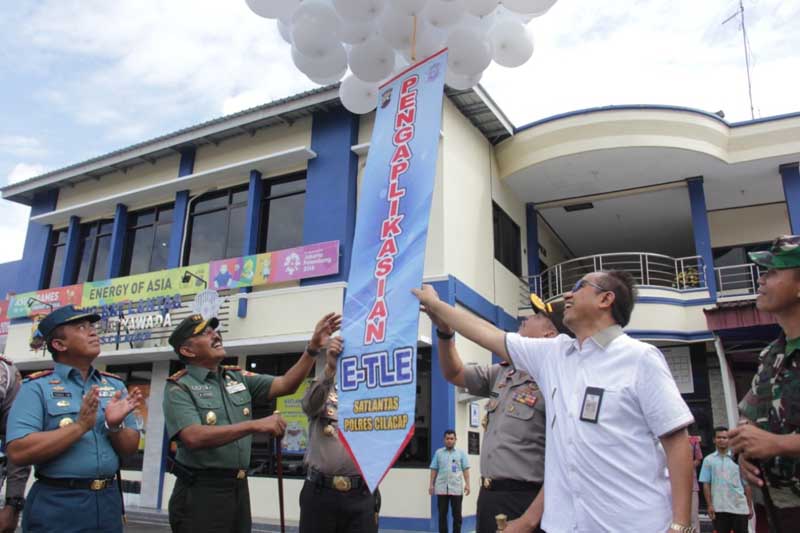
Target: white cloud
14, 222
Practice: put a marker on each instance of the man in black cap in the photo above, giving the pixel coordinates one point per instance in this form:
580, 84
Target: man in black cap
208, 412
512, 456
72, 423
772, 405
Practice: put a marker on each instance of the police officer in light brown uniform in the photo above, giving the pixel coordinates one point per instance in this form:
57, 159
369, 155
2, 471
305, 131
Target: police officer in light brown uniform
335, 498
512, 459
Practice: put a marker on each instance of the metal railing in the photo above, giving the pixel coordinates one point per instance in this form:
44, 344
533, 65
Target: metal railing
647, 269
737, 280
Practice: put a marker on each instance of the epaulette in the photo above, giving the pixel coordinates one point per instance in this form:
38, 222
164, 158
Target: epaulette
177, 375
232, 367
110, 375
6, 360
39, 374
505, 363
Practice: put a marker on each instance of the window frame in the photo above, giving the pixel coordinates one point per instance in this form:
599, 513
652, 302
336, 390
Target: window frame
193, 212
267, 198
130, 232
52, 252
509, 258
86, 236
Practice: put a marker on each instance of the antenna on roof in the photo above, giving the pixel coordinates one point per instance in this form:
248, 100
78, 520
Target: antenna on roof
740, 13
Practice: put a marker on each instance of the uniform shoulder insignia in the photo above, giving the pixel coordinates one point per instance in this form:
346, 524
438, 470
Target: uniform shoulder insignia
505, 363
40, 374
232, 367
177, 375
4, 359
110, 375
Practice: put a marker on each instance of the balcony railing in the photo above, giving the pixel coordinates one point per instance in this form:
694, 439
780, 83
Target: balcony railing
647, 269
737, 280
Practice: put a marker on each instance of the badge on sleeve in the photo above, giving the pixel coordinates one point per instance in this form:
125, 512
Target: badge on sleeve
592, 400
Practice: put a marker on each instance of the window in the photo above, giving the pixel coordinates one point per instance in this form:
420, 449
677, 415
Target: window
147, 240
216, 226
282, 212
95, 250
736, 255
417, 453
507, 248
56, 261
136, 376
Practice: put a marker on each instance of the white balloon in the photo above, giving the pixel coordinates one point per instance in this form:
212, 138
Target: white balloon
480, 24
355, 32
444, 13
430, 41
315, 27
398, 30
461, 83
358, 10
407, 7
328, 80
537, 7
358, 96
372, 60
512, 43
469, 52
333, 62
480, 8
285, 29
273, 9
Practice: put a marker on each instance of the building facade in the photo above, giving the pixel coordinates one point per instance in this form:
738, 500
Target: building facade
675, 196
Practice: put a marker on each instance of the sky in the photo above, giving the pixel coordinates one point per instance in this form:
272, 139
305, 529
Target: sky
80, 78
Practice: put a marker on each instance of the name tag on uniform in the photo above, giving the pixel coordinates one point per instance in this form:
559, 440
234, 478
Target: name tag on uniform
235, 387
106, 392
61, 394
592, 400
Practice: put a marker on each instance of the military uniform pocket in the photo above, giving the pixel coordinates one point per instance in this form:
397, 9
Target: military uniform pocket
62, 412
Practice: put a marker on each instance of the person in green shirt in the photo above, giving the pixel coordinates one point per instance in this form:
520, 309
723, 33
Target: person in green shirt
208, 412
769, 441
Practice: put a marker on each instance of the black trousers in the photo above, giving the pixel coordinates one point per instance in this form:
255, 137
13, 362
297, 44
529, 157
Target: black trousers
327, 510
454, 502
727, 522
494, 502
210, 505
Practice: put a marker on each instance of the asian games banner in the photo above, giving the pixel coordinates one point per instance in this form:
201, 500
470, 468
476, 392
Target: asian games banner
377, 372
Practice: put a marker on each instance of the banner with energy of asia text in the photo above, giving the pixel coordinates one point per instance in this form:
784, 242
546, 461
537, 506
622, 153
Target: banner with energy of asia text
377, 374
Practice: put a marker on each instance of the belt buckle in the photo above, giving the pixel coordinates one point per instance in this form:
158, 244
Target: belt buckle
342, 483
98, 484
487, 483
241, 474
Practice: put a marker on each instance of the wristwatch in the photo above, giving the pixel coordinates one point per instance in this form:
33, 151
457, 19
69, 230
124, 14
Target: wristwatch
681, 529
117, 429
445, 336
16, 502
310, 351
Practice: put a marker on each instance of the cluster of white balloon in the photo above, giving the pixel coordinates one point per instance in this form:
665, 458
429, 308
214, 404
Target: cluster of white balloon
377, 38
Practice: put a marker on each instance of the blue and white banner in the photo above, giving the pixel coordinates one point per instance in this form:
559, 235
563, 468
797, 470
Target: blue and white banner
377, 373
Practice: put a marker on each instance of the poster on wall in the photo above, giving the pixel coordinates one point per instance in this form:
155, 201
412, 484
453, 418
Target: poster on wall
377, 370
42, 302
679, 359
295, 439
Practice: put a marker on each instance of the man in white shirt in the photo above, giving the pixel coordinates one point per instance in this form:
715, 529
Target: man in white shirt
610, 401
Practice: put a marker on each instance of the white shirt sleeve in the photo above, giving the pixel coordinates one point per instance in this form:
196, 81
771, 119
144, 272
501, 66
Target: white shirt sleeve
530, 354
661, 402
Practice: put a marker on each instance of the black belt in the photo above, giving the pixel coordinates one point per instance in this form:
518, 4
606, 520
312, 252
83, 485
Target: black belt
509, 485
190, 475
340, 483
76, 483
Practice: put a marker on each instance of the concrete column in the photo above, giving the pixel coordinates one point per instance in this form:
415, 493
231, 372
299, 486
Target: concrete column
154, 459
790, 175
702, 232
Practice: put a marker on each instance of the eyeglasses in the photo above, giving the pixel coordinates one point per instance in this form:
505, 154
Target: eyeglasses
582, 282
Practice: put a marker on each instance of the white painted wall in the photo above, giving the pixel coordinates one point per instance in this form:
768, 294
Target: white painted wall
746, 225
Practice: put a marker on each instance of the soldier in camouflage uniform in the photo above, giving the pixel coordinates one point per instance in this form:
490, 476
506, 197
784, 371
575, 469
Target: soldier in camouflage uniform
208, 411
772, 405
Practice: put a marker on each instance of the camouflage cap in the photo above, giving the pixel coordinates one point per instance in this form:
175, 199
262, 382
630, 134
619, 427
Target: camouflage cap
782, 254
189, 327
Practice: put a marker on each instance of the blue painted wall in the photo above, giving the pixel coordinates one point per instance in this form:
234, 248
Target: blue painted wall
532, 227
255, 193
702, 231
32, 270
72, 259
790, 175
330, 210
185, 168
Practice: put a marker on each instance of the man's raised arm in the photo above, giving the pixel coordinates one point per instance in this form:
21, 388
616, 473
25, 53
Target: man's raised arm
475, 329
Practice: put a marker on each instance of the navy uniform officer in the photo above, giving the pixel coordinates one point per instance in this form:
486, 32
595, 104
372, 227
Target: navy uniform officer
512, 458
334, 498
72, 423
16, 476
208, 411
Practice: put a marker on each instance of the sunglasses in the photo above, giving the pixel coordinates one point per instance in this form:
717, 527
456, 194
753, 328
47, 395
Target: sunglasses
583, 282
